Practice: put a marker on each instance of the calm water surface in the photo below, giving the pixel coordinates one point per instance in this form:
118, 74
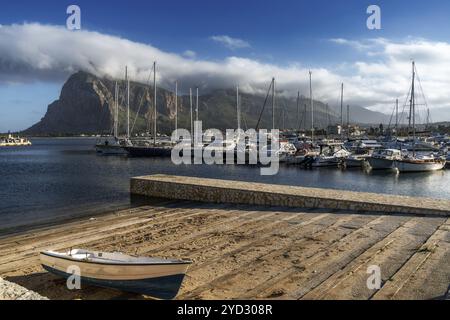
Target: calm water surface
59, 177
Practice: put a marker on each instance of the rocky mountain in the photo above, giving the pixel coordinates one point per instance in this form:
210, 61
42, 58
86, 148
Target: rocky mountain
86, 105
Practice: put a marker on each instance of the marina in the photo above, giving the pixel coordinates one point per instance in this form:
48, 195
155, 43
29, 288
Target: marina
387, 151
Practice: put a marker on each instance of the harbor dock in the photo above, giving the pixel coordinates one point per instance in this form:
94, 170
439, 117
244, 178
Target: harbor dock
241, 192
251, 250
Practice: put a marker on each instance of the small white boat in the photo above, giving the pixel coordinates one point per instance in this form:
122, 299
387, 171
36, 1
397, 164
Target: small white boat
159, 278
384, 159
305, 153
330, 155
356, 161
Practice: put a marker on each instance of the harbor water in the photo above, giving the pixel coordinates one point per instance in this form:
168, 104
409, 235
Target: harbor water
56, 178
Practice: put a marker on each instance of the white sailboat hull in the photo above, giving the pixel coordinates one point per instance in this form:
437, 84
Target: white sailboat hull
408, 166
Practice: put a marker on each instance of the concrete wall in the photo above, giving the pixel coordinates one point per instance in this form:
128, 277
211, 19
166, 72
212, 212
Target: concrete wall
224, 191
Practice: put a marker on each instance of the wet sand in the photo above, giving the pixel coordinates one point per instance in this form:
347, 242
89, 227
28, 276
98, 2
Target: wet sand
250, 252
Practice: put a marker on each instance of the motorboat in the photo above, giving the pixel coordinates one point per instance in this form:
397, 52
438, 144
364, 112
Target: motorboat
331, 154
383, 159
356, 160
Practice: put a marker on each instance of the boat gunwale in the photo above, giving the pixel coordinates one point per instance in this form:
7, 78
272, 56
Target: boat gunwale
178, 262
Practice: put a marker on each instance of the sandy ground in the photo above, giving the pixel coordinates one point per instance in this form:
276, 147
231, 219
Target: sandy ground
248, 252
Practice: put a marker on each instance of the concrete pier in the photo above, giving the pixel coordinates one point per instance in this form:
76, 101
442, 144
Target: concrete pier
238, 192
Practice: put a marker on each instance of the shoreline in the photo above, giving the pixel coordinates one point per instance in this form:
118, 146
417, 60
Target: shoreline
17, 227
92, 211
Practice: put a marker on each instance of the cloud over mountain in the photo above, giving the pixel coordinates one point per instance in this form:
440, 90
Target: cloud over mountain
36, 52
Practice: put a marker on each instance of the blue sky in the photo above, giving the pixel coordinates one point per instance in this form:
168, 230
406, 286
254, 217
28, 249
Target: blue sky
278, 33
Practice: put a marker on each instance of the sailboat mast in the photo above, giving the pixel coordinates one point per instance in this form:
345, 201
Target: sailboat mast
342, 107
312, 106
155, 130
298, 110
128, 102
196, 107
305, 115
116, 111
238, 109
413, 106
348, 121
396, 117
190, 98
273, 104
176, 105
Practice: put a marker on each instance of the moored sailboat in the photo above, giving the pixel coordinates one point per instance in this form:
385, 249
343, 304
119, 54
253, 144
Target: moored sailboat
420, 164
112, 145
413, 162
147, 149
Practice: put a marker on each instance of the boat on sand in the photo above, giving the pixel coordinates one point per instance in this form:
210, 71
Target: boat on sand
159, 278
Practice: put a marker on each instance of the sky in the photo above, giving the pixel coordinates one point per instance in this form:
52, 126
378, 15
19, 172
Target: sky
218, 44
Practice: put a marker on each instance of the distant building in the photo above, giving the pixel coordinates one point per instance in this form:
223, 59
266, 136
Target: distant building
351, 130
334, 129
356, 131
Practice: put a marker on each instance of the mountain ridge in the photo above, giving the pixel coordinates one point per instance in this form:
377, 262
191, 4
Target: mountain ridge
86, 103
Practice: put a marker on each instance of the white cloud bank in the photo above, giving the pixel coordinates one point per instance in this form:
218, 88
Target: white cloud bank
30, 52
